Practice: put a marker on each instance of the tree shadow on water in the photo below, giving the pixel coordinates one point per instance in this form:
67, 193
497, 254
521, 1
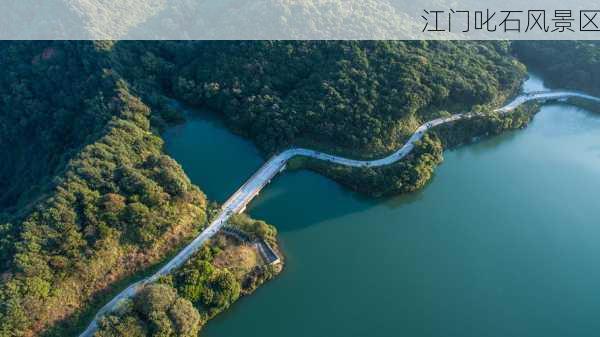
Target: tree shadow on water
300, 199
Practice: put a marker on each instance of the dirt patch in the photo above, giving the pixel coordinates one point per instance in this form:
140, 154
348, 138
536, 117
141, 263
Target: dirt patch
239, 259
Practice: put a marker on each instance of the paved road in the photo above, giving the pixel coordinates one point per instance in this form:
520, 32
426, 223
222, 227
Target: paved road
241, 198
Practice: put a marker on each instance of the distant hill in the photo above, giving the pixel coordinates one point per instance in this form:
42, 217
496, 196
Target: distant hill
269, 19
242, 19
223, 19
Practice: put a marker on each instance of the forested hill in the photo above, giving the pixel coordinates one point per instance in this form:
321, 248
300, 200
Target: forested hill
52, 105
565, 64
88, 196
360, 96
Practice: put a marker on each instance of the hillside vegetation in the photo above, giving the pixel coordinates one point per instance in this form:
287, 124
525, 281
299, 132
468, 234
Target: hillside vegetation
180, 304
108, 202
565, 64
49, 112
365, 97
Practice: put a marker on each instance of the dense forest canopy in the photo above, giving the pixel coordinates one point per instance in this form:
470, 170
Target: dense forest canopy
49, 110
110, 202
565, 64
350, 95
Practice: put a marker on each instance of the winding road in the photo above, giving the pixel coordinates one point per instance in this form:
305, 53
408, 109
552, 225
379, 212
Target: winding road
241, 198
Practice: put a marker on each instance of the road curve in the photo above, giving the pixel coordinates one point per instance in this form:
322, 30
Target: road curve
238, 201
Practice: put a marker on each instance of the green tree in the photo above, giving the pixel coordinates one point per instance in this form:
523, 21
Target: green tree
185, 317
155, 298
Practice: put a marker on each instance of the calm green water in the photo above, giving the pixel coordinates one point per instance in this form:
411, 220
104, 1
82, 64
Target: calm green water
505, 241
